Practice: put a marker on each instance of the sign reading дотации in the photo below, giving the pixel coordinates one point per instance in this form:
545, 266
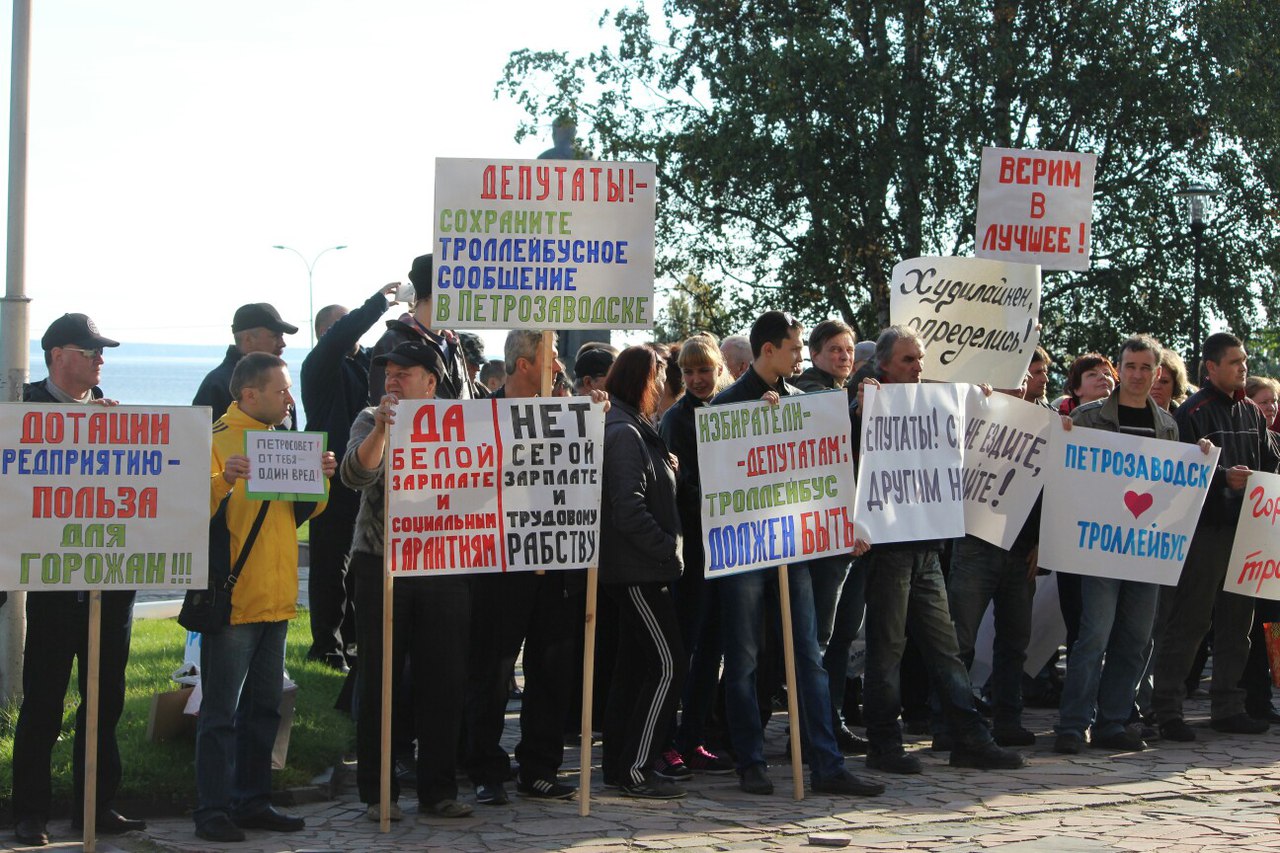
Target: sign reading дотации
104, 497
777, 481
547, 244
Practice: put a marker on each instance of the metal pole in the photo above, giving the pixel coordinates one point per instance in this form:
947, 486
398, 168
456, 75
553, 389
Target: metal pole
1197, 332
14, 322
311, 294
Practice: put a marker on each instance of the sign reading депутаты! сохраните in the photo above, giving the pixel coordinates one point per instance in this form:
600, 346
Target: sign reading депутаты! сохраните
777, 481
496, 485
1120, 506
545, 244
98, 497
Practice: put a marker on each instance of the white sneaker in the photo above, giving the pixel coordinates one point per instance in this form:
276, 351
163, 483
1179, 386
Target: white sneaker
374, 812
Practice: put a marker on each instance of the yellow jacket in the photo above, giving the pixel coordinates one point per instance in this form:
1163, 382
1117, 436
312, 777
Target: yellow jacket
267, 589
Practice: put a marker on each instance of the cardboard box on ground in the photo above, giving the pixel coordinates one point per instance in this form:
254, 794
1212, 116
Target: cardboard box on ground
173, 712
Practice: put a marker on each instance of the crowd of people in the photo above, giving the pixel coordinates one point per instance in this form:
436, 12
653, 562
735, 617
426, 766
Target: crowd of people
688, 669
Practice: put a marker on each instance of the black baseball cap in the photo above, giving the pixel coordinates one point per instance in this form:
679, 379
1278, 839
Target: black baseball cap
260, 314
421, 277
413, 354
593, 362
472, 348
74, 330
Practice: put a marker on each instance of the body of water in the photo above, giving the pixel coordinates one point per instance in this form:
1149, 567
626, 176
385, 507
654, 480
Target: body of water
162, 374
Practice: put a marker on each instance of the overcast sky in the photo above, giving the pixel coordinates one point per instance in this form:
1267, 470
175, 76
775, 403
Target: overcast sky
173, 143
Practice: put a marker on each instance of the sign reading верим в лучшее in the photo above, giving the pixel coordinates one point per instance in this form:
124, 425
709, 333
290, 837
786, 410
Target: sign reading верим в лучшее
543, 244
104, 497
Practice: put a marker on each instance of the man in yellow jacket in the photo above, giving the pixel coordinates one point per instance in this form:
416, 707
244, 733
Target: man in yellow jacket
242, 665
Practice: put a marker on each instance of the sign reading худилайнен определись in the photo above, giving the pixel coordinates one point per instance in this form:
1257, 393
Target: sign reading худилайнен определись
543, 244
495, 485
776, 481
104, 497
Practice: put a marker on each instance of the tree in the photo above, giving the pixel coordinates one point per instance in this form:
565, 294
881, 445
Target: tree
693, 306
805, 147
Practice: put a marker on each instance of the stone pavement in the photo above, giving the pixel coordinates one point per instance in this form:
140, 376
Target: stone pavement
1213, 794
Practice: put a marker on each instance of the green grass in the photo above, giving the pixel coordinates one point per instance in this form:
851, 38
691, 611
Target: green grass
165, 772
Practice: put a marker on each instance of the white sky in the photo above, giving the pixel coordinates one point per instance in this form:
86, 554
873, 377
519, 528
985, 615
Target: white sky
173, 143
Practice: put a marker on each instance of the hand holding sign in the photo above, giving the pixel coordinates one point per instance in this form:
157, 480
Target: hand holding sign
237, 468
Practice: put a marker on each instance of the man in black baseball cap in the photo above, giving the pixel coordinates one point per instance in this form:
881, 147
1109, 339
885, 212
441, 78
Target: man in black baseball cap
257, 327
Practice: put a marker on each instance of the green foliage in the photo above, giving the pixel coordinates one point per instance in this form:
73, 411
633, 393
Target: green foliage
693, 306
164, 773
803, 148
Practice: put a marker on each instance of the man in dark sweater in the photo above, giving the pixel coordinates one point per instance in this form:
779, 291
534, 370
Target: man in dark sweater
335, 384
1222, 413
257, 327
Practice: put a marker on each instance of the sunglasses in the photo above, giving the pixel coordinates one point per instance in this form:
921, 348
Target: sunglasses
96, 352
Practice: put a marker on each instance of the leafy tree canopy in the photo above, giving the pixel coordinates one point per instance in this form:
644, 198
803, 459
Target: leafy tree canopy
805, 146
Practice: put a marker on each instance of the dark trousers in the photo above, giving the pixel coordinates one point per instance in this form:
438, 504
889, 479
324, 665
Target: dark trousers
1257, 669
649, 674
546, 613
57, 634
330, 587
697, 604
431, 621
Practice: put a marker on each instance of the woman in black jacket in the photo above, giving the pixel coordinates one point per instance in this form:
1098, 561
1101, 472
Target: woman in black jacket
639, 559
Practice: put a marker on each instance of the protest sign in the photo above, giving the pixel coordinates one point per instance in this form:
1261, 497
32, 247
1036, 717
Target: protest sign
1121, 506
1004, 455
1254, 568
977, 318
284, 465
910, 474
496, 485
1035, 207
104, 498
782, 482
544, 244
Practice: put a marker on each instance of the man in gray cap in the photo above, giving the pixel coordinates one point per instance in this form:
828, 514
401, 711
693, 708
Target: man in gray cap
257, 327
58, 631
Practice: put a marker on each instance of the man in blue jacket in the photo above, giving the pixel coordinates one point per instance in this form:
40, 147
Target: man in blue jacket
335, 383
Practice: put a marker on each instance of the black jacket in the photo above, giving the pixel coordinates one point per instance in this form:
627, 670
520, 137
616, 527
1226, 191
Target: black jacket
751, 386
215, 389
817, 379
38, 392
639, 522
1237, 425
335, 383
454, 386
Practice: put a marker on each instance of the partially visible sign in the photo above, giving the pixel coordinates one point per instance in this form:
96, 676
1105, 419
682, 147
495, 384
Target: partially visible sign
1035, 207
1254, 568
98, 497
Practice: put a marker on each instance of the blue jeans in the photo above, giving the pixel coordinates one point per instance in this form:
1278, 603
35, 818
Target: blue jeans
839, 600
1115, 623
906, 587
980, 574
742, 600
241, 679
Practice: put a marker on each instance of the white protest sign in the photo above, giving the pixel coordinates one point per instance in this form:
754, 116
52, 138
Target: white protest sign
97, 497
544, 244
285, 465
1254, 568
910, 474
782, 484
495, 485
1004, 455
1036, 207
1121, 506
977, 318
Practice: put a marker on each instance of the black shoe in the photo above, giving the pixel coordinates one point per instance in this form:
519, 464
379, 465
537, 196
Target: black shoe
848, 784
1068, 743
1125, 740
110, 822
1178, 730
1014, 736
653, 787
850, 743
492, 794
755, 780
897, 761
1240, 724
31, 832
271, 819
546, 789
1268, 713
988, 756
942, 743
219, 828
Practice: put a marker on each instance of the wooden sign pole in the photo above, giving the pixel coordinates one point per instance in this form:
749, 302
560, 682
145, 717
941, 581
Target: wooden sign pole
384, 784
91, 723
793, 698
588, 690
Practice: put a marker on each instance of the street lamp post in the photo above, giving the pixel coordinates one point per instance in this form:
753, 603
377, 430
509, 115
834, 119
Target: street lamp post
1195, 197
311, 306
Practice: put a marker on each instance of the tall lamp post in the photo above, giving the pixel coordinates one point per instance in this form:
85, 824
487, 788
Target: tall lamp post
1195, 197
311, 305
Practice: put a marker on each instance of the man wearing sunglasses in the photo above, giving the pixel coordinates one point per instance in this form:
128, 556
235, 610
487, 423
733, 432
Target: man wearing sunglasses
58, 630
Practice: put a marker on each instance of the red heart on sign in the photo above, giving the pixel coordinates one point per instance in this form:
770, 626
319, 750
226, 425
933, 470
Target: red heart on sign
1138, 504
